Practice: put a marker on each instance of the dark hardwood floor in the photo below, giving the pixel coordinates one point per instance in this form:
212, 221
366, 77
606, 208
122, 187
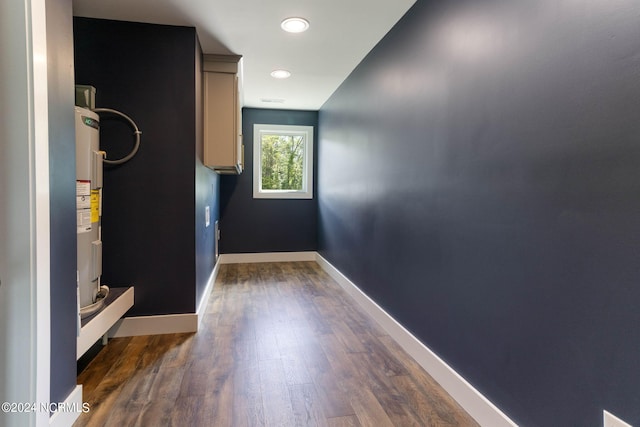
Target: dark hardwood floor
281, 344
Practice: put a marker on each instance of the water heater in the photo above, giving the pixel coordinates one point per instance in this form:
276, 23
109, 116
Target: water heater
89, 168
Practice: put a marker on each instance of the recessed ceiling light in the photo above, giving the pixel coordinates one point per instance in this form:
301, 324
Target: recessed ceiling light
295, 25
280, 74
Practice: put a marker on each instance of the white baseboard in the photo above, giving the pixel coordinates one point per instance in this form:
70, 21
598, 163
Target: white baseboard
476, 405
71, 412
267, 257
154, 325
202, 306
168, 323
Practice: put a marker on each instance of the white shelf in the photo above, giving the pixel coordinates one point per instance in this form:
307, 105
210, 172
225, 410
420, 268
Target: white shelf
119, 301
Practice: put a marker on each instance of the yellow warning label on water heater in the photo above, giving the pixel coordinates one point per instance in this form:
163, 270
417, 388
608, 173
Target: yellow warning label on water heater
95, 205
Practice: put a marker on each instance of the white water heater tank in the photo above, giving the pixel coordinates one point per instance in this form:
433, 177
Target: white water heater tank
89, 167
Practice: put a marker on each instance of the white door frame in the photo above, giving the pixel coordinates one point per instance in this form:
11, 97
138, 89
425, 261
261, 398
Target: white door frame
24, 211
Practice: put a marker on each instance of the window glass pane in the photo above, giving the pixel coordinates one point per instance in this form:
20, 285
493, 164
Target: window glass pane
282, 162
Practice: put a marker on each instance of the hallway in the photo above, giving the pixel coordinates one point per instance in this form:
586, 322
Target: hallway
280, 345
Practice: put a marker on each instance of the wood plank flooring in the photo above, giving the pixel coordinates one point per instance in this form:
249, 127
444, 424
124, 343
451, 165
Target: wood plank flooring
281, 344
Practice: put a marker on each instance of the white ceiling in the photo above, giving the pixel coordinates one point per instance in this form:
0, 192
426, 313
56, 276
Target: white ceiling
341, 33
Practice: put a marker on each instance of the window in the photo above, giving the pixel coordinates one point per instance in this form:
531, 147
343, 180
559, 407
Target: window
282, 162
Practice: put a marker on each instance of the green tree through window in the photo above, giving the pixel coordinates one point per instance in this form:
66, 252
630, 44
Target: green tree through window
282, 162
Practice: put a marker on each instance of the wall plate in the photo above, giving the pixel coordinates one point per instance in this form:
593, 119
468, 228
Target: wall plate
611, 420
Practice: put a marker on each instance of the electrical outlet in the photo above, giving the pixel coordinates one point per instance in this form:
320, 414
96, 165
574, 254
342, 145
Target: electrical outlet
216, 230
611, 420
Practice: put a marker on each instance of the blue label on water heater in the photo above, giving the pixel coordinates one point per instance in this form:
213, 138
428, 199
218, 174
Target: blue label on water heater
91, 122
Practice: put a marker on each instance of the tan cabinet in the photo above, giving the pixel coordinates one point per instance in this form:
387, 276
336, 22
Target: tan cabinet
223, 149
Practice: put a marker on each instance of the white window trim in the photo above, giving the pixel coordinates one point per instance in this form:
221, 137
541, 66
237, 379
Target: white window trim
307, 179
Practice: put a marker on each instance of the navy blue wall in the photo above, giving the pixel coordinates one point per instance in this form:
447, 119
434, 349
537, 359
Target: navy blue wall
153, 214
62, 197
480, 179
207, 194
251, 225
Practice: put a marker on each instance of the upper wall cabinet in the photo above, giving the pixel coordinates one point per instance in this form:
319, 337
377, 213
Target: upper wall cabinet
223, 149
